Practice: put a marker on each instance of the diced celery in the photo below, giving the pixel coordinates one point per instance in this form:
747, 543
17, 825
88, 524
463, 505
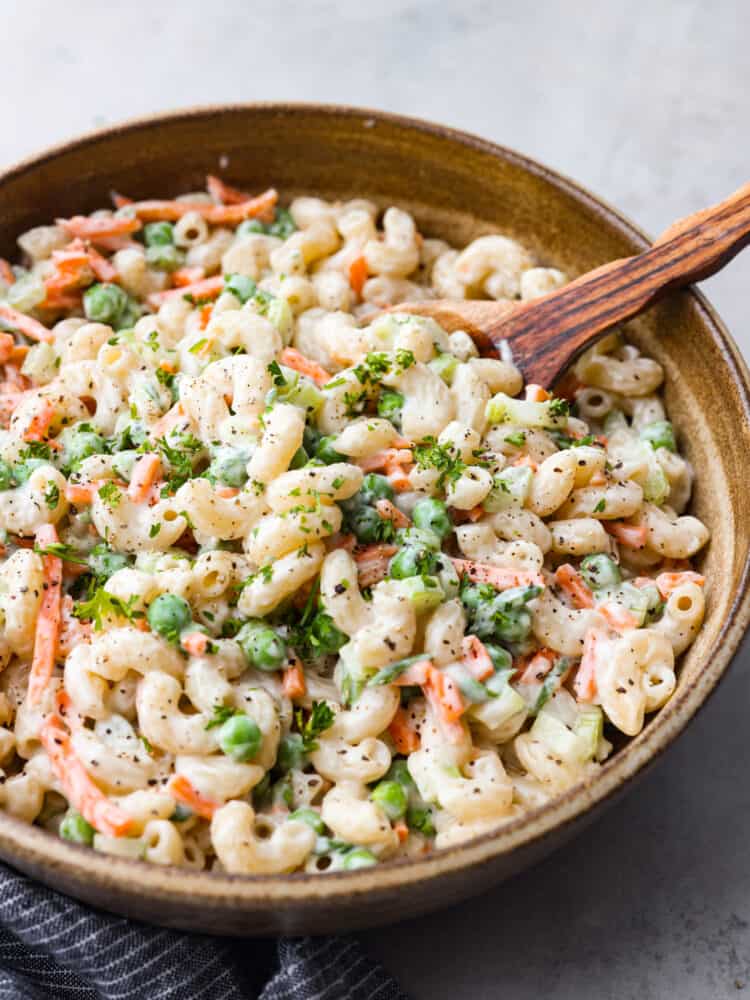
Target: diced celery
589, 728
656, 486
510, 489
504, 714
41, 363
632, 598
424, 592
504, 409
26, 293
123, 847
562, 741
445, 365
280, 314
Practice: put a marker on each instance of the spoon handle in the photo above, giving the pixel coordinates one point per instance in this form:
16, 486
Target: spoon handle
547, 333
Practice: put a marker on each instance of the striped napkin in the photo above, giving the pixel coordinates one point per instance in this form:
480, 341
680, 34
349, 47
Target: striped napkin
53, 948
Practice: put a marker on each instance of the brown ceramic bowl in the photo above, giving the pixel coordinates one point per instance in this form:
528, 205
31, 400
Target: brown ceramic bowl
457, 186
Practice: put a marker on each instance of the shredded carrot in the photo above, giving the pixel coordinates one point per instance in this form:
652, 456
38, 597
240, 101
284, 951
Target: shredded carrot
401, 828
416, 674
103, 269
19, 352
48, 620
40, 423
403, 732
80, 494
29, 327
7, 344
185, 276
535, 393
358, 274
206, 288
217, 215
390, 512
6, 272
67, 711
182, 789
88, 228
632, 536
205, 319
445, 700
76, 783
386, 459
500, 577
145, 472
538, 666
305, 366
225, 193
570, 580
598, 479
475, 513
667, 582
372, 563
226, 492
476, 659
584, 683
618, 616
196, 643
293, 681
526, 460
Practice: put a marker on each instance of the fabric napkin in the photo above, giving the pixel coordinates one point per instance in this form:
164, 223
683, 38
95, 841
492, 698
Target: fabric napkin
54, 948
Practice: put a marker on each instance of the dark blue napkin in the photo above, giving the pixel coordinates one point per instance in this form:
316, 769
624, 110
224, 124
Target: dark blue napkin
53, 948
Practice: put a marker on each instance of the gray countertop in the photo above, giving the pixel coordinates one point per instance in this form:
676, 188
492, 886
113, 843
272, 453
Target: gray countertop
647, 103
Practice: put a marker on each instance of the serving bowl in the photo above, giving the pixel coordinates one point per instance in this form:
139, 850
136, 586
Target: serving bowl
457, 187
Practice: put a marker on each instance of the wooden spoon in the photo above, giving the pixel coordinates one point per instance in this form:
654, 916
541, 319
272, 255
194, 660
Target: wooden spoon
546, 334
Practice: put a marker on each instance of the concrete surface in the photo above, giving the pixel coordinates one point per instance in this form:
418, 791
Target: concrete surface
648, 103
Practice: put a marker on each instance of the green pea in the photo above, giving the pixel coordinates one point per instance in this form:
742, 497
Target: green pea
299, 459
391, 798
375, 487
411, 561
229, 466
369, 526
75, 828
390, 406
158, 234
360, 857
103, 562
310, 818
6, 476
165, 257
327, 453
169, 615
419, 818
105, 303
262, 645
80, 444
659, 434
240, 738
291, 754
250, 227
433, 516
242, 287
419, 538
600, 570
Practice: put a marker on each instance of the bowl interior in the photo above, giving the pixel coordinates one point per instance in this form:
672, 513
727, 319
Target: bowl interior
457, 187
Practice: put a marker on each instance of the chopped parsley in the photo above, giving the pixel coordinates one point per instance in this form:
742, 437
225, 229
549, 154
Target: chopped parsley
36, 449
101, 605
277, 376
180, 454
517, 439
222, 713
62, 551
111, 494
443, 457
559, 407
52, 495
600, 506
321, 717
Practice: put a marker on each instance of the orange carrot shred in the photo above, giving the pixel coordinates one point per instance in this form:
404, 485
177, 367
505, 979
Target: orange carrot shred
78, 786
145, 472
292, 358
500, 577
182, 789
29, 327
402, 732
390, 512
6, 272
196, 643
40, 423
632, 536
584, 683
618, 616
225, 193
203, 289
49, 618
227, 215
538, 666
358, 274
476, 659
535, 393
109, 225
667, 582
372, 563
185, 276
570, 580
293, 681
7, 345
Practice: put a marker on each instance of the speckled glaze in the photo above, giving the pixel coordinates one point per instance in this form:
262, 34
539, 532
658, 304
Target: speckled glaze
458, 187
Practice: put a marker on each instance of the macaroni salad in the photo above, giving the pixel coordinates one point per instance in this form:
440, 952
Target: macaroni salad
288, 583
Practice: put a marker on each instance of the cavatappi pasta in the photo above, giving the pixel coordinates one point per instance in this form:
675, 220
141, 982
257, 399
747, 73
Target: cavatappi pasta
290, 584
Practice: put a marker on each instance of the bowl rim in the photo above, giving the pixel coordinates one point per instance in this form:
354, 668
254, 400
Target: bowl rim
39, 849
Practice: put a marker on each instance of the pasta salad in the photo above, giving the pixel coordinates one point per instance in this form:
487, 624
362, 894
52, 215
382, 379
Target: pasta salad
289, 583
